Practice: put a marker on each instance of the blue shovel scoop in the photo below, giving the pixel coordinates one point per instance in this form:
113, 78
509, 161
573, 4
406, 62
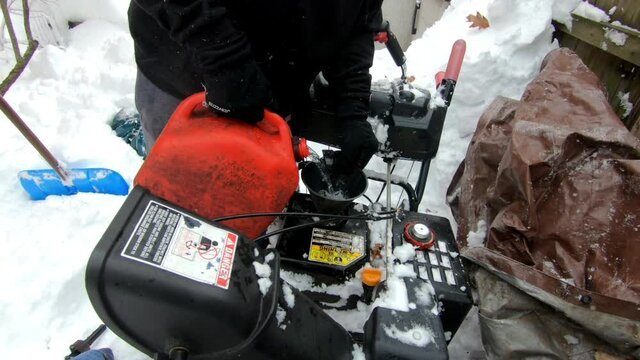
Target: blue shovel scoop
58, 180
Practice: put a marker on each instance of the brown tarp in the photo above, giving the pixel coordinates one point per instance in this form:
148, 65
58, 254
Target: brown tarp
548, 196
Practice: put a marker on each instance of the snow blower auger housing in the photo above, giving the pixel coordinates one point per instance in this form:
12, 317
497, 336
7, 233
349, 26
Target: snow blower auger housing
178, 284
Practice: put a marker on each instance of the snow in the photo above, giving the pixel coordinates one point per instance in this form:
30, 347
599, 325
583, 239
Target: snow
281, 315
264, 284
619, 24
289, 298
357, 353
617, 37
68, 96
263, 271
425, 295
417, 336
405, 252
625, 104
395, 295
404, 270
561, 11
476, 238
304, 282
591, 12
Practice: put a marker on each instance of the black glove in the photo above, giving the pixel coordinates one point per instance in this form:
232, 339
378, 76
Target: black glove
240, 93
358, 144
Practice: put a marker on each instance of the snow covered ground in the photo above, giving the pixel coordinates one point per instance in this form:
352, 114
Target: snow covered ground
68, 95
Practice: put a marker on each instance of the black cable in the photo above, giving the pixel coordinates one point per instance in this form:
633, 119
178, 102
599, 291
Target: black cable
368, 198
302, 214
407, 180
302, 226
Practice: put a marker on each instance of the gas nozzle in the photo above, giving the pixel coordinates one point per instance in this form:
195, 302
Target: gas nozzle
300, 148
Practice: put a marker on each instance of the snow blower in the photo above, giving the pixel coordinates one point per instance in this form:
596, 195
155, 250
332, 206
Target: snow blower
179, 273
58, 180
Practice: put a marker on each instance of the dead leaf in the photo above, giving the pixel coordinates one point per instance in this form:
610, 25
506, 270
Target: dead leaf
411, 79
376, 252
478, 20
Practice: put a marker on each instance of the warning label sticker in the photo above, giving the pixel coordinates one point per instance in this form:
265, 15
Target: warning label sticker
176, 242
335, 247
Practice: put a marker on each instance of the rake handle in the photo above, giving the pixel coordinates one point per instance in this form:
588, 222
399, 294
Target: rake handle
33, 139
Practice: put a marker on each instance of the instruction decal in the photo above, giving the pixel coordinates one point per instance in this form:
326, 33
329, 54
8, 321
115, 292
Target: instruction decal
174, 241
335, 247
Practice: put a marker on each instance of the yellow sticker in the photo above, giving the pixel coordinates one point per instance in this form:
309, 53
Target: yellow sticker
335, 248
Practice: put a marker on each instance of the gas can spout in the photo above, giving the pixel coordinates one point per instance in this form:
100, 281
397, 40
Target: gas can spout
301, 149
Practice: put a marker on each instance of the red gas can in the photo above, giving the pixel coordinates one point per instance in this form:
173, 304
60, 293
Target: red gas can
216, 166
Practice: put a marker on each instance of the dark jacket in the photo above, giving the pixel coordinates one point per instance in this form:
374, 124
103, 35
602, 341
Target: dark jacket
181, 45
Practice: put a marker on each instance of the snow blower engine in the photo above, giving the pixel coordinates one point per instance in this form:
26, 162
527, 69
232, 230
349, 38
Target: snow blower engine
338, 280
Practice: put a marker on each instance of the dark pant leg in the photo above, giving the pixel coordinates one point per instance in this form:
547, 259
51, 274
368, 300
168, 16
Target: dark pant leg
155, 107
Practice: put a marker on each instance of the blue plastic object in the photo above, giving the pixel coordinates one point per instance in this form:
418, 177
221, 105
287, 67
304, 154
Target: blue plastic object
42, 183
99, 354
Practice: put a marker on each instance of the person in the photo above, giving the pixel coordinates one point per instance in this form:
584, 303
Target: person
250, 55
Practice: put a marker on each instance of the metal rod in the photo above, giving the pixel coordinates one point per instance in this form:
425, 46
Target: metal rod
389, 238
33, 139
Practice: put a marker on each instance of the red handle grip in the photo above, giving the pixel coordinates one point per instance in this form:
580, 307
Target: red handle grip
439, 78
455, 60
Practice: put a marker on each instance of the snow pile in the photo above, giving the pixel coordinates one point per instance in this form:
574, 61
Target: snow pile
500, 61
263, 271
425, 295
405, 252
357, 353
625, 104
281, 315
619, 24
417, 336
591, 12
616, 37
288, 295
562, 11
476, 238
304, 282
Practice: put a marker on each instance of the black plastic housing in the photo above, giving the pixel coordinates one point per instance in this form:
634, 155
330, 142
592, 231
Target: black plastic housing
414, 127
294, 246
158, 311
442, 266
381, 344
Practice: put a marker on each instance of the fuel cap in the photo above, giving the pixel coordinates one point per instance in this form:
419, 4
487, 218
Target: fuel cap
419, 235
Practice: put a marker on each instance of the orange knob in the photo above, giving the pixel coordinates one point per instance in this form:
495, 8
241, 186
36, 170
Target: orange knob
371, 276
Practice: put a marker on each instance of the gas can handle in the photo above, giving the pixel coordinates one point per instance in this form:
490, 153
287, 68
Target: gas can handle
193, 105
271, 123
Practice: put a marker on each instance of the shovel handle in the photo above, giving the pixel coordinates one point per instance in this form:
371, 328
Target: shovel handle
33, 139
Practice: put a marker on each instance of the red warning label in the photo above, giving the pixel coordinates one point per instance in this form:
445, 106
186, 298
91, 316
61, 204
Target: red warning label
227, 261
174, 241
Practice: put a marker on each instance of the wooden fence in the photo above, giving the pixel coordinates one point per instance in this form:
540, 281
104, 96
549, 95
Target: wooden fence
617, 66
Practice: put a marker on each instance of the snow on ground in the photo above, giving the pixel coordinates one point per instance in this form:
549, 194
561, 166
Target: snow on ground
68, 96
